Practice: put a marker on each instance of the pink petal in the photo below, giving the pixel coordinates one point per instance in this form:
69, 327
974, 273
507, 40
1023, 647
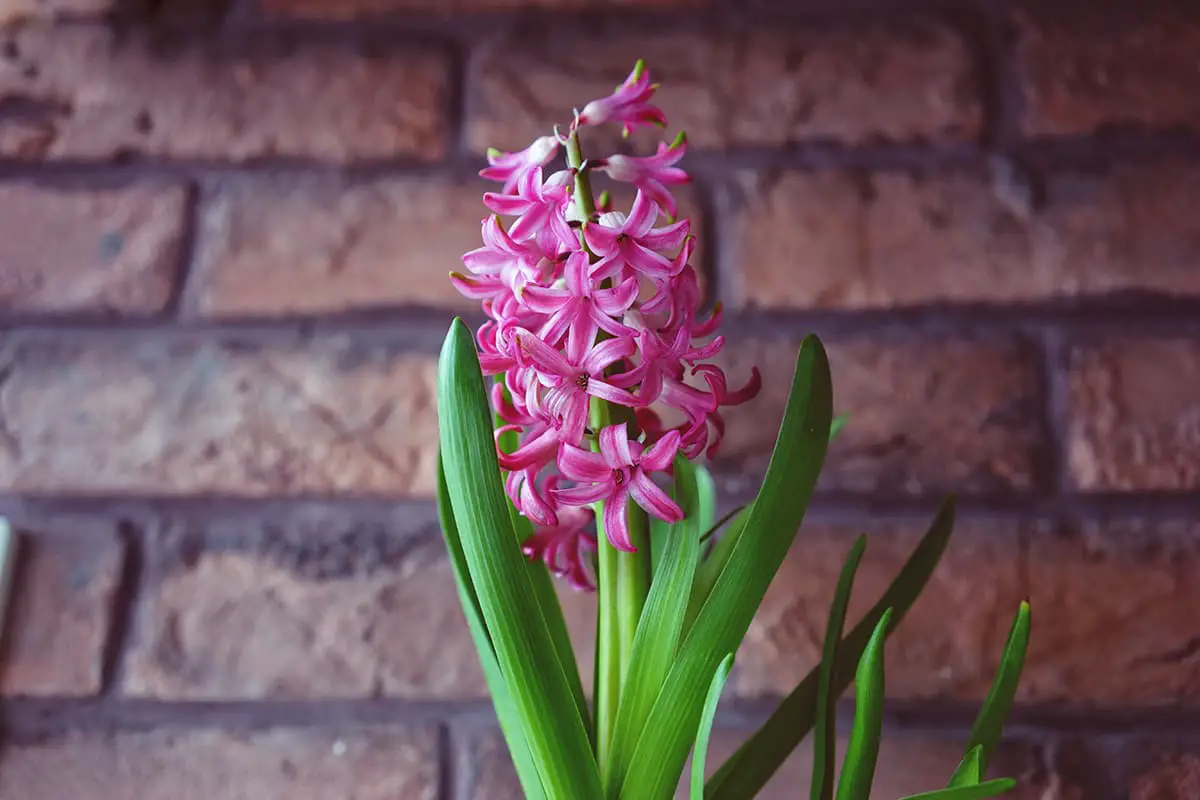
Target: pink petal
667, 238
661, 455
617, 301
605, 353
614, 446
647, 261
544, 357
642, 216
654, 499
581, 334
606, 391
601, 239
543, 300
583, 495
583, 465
533, 453
616, 521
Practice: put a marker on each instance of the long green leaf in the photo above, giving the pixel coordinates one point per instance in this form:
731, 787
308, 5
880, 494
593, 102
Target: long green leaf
500, 575
979, 791
510, 726
824, 741
862, 751
659, 629
989, 725
749, 769
836, 426
969, 771
707, 715
710, 569
756, 556
547, 598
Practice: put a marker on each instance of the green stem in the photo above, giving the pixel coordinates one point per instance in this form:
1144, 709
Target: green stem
633, 582
607, 680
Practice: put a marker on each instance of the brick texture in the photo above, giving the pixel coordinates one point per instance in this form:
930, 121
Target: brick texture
848, 241
353, 9
910, 81
378, 764
318, 245
61, 612
332, 416
932, 654
1087, 71
12, 11
92, 95
926, 415
111, 252
336, 608
1135, 414
1173, 777
907, 764
1116, 594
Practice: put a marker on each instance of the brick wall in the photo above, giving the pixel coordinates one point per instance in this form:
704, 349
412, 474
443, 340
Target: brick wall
224, 234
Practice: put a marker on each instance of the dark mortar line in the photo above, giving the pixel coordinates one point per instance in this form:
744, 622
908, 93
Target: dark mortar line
1054, 375
28, 720
207, 508
447, 764
1002, 95
188, 257
1105, 148
123, 609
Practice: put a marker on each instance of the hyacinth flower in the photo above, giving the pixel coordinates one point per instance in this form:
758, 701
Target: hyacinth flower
585, 460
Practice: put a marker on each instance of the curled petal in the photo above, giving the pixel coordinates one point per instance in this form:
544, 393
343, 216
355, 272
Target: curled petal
659, 456
654, 499
583, 465
614, 446
616, 522
535, 452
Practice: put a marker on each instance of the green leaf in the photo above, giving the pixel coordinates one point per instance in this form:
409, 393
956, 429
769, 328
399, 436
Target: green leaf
753, 560
528, 659
989, 725
716, 526
824, 742
979, 791
510, 726
661, 624
543, 588
836, 426
858, 769
710, 569
707, 715
969, 771
749, 769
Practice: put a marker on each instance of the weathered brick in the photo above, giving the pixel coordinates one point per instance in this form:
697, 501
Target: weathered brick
931, 654
23, 10
58, 622
908, 763
927, 415
311, 245
180, 417
94, 95
1175, 776
841, 240
364, 615
726, 89
364, 764
354, 9
113, 251
1112, 607
1087, 70
1134, 414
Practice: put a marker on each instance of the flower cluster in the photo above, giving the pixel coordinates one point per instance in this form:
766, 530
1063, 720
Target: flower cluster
584, 306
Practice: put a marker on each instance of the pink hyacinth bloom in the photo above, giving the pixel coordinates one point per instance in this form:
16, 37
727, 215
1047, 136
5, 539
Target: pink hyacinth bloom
633, 243
652, 174
628, 105
616, 473
509, 168
566, 547
541, 209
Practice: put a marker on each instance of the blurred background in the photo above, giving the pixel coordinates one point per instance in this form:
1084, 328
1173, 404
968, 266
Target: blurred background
225, 230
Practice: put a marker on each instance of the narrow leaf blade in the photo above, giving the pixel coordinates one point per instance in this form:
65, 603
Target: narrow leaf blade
824, 741
707, 715
754, 558
968, 772
862, 752
510, 725
979, 791
499, 573
749, 769
989, 725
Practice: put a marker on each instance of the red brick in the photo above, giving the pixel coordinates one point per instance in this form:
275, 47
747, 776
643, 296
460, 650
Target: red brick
110, 251
312, 245
840, 240
760, 87
932, 654
12, 11
1134, 414
1086, 70
1173, 777
364, 764
105, 97
1112, 615
58, 622
277, 624
908, 763
354, 9
926, 415
182, 416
